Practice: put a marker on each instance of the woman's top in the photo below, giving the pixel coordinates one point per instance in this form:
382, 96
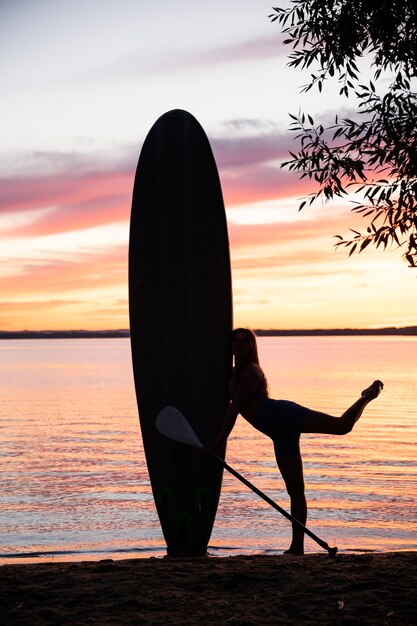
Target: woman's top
248, 390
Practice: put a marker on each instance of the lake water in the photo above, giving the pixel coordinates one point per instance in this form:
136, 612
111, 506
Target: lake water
74, 483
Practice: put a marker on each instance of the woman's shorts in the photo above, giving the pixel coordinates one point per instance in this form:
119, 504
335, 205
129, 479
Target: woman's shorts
281, 420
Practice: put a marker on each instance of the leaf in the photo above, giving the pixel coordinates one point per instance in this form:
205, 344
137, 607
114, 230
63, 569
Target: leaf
364, 243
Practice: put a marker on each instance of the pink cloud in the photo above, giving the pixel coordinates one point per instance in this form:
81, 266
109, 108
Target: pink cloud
250, 169
249, 50
261, 48
266, 145
77, 199
260, 183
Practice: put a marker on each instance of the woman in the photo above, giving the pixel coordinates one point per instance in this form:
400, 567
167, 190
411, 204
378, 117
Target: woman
281, 420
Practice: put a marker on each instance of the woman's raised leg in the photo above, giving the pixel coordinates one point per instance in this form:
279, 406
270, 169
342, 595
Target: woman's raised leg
316, 422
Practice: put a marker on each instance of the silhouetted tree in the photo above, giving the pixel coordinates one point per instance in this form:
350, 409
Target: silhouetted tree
374, 151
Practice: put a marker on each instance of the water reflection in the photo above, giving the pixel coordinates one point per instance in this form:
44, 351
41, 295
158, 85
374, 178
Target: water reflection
74, 478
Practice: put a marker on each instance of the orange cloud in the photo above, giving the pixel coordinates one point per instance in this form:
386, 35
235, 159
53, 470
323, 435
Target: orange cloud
63, 314
85, 271
288, 232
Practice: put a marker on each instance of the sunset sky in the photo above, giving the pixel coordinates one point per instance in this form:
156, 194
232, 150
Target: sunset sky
82, 82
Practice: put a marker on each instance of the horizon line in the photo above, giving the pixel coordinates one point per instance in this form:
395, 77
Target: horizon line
261, 332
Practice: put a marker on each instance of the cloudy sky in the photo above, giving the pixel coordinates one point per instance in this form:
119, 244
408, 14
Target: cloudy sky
82, 82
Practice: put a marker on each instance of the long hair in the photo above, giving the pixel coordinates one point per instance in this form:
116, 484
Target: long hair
252, 356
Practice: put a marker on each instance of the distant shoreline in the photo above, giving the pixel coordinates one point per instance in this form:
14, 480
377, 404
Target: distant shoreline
124, 333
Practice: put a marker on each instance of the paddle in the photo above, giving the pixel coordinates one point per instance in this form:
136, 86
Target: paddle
172, 423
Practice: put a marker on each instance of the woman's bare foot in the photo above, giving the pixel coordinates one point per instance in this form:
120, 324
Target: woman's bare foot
373, 390
295, 551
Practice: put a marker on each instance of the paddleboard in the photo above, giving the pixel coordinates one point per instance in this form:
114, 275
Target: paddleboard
180, 306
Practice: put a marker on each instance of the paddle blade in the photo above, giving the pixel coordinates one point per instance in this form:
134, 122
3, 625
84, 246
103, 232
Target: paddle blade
172, 423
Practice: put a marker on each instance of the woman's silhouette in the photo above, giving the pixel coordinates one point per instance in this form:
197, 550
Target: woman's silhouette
281, 420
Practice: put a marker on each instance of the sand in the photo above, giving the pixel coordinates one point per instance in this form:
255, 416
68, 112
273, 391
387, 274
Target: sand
372, 588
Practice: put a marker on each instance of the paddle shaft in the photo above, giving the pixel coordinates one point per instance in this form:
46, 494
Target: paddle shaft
323, 544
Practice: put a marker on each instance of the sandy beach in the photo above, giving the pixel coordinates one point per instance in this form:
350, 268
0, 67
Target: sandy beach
374, 588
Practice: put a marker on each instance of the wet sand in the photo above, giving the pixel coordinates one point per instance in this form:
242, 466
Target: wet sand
374, 588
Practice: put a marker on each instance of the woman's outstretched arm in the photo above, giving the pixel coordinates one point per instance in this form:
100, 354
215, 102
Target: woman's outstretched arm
243, 392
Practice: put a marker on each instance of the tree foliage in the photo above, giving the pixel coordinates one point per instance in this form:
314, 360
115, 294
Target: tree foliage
373, 152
